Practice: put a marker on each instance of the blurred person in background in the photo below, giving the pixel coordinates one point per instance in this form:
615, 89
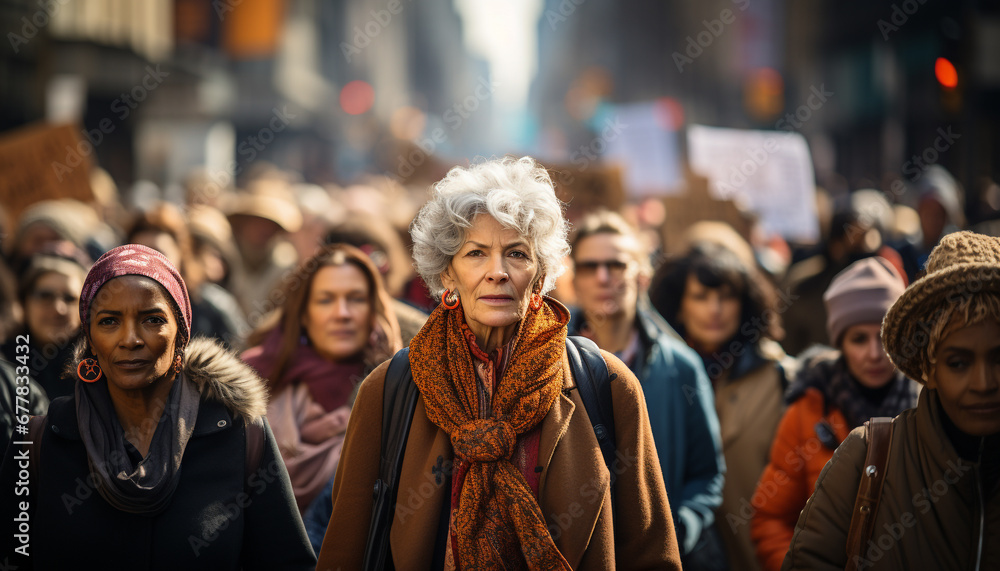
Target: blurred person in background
611, 274
728, 314
49, 292
858, 229
51, 223
939, 204
213, 246
496, 406
202, 189
376, 238
11, 312
320, 212
163, 430
216, 312
835, 391
15, 373
261, 218
13, 385
334, 328
108, 207
940, 501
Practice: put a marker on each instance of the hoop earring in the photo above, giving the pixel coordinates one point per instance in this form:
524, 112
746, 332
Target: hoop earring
536, 302
444, 300
89, 370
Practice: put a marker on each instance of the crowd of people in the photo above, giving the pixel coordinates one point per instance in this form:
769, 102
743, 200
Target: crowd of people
223, 383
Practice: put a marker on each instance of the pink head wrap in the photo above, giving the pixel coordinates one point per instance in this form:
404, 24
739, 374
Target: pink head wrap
134, 259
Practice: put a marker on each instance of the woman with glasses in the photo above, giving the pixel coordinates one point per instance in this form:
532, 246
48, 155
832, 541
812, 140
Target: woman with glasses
611, 274
49, 293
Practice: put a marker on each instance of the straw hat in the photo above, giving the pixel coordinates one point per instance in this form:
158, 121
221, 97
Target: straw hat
268, 199
962, 264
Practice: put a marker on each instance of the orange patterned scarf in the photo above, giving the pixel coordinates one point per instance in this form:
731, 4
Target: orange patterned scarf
498, 520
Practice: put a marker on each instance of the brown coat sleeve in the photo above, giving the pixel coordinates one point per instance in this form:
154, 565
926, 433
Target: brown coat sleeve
644, 528
344, 543
820, 540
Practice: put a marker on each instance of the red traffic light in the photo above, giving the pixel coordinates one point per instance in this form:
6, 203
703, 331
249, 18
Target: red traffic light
945, 73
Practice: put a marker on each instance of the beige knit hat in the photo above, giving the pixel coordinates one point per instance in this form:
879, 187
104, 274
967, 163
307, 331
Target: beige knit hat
961, 265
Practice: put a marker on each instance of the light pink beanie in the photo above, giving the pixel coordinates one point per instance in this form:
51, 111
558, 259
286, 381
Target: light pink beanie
862, 293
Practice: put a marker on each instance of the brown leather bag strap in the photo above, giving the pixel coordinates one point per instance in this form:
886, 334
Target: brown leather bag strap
878, 434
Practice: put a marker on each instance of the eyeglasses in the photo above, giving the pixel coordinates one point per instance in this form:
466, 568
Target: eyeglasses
587, 268
50, 297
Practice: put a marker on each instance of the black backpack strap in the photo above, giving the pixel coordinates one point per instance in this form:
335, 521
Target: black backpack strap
593, 379
399, 400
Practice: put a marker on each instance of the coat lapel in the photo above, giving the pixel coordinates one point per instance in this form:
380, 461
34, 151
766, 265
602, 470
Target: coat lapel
575, 482
573, 487
427, 464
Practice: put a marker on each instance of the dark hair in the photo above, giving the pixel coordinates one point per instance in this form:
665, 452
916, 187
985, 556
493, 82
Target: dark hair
716, 266
296, 292
168, 219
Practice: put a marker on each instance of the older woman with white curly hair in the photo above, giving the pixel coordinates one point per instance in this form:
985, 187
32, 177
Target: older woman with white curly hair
502, 465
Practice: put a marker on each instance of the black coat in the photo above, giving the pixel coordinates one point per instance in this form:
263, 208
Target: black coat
12, 409
219, 518
45, 364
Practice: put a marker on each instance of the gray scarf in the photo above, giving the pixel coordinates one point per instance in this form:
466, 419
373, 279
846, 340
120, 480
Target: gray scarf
146, 487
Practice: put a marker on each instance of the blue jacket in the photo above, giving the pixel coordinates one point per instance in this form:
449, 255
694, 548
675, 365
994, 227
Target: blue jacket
685, 426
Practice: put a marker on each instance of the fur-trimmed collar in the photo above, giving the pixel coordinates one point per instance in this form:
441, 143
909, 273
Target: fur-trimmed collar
221, 376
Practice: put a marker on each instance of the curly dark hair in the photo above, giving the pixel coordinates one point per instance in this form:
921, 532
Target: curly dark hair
716, 266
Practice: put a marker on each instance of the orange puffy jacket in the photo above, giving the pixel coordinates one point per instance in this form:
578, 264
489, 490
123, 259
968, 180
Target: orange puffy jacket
797, 457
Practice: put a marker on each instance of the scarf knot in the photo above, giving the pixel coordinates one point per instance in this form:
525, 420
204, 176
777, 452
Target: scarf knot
484, 440
497, 522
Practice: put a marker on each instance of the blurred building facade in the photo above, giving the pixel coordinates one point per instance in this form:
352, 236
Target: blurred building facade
335, 88
165, 86
758, 65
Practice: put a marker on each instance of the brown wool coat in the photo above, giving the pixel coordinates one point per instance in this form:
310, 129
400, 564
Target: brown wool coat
932, 512
574, 488
750, 409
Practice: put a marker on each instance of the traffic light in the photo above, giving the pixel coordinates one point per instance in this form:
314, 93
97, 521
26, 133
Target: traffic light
949, 84
946, 73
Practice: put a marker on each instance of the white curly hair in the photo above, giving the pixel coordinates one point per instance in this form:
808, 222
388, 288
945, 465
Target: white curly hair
518, 193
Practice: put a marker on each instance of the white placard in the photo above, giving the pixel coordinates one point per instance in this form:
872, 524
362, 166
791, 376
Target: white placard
645, 148
768, 172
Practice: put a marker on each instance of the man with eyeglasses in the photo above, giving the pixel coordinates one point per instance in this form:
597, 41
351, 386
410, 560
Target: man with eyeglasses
611, 272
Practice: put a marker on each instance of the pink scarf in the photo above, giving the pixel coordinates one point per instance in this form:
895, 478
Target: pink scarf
330, 384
